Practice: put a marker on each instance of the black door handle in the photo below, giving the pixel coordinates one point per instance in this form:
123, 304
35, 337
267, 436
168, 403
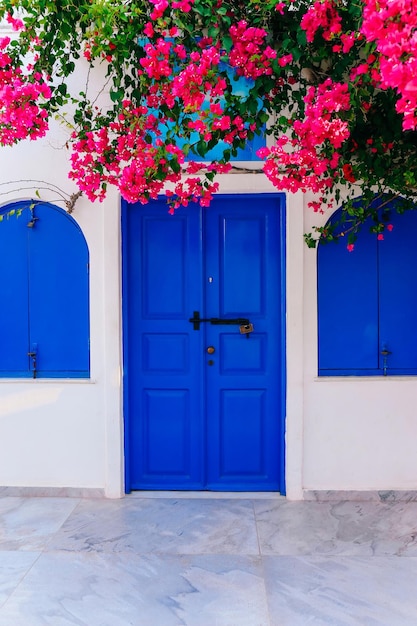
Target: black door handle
196, 320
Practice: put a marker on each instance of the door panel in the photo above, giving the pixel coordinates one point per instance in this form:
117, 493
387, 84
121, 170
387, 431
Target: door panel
164, 298
196, 420
244, 394
162, 264
241, 251
167, 420
242, 418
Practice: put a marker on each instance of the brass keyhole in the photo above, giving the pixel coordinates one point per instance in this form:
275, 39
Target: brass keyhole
211, 350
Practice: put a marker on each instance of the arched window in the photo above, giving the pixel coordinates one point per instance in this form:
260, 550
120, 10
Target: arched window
44, 293
367, 302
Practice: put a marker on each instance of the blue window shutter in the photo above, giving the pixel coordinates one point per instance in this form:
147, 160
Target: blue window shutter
14, 330
348, 306
398, 293
58, 294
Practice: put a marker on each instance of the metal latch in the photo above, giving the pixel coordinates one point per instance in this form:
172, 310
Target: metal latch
33, 354
243, 322
385, 352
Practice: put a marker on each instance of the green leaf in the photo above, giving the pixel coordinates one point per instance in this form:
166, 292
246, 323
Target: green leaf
201, 148
213, 32
301, 37
175, 166
309, 240
117, 96
227, 42
252, 105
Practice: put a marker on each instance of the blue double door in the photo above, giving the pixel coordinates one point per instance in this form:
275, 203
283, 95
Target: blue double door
204, 399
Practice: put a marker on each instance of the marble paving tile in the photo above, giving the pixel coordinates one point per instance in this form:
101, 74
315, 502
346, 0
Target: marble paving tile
13, 568
98, 589
162, 526
28, 523
341, 591
337, 528
338, 496
360, 496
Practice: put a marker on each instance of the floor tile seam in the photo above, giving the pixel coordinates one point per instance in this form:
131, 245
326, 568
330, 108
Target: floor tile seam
258, 540
267, 595
334, 555
150, 553
320, 556
64, 521
232, 553
29, 569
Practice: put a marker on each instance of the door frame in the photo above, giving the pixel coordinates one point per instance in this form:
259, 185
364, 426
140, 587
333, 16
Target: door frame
125, 335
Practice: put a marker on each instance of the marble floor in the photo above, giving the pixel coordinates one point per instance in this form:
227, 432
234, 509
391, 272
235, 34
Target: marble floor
165, 560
